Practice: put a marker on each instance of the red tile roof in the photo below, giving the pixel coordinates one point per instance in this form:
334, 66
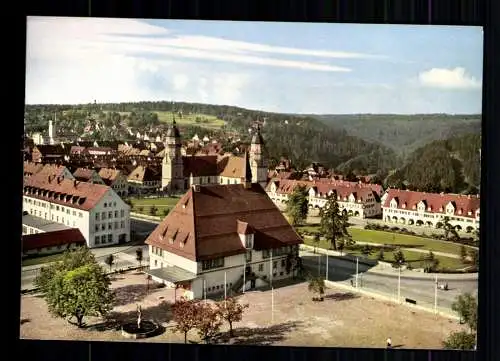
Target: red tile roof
31, 168
69, 193
322, 188
200, 166
83, 174
208, 220
109, 175
144, 174
51, 239
232, 166
435, 202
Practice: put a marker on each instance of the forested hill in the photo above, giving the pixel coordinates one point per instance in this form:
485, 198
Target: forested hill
301, 138
404, 133
451, 165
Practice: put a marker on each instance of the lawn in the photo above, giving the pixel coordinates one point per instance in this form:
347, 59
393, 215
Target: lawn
42, 259
159, 203
383, 237
202, 120
412, 257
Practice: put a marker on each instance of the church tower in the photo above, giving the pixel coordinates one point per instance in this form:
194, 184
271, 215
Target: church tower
258, 161
172, 174
52, 131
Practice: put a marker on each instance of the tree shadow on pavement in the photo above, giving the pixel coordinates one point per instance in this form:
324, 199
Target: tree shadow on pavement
160, 314
341, 296
133, 293
260, 336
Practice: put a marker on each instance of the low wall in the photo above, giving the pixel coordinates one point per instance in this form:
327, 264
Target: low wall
440, 311
347, 257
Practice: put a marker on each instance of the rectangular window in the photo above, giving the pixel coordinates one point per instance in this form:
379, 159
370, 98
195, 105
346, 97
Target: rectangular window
103, 215
97, 228
261, 267
110, 225
62, 209
80, 214
110, 214
103, 227
97, 216
248, 256
97, 239
116, 225
122, 224
283, 263
68, 211
122, 213
110, 238
116, 214
213, 263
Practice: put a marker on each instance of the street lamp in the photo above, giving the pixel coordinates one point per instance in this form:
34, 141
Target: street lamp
399, 281
357, 271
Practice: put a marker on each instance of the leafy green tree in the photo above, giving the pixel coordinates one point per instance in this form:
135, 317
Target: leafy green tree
460, 341
153, 210
466, 307
380, 256
399, 258
71, 259
317, 286
463, 253
166, 211
76, 287
208, 321
184, 315
140, 209
139, 255
316, 240
110, 260
333, 223
431, 262
449, 231
366, 250
231, 311
297, 205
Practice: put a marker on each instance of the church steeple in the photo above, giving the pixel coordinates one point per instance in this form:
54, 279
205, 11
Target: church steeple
258, 161
173, 165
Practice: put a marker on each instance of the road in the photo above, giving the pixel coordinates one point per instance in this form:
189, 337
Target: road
124, 255
420, 290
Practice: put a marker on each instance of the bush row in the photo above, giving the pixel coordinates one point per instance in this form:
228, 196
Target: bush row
377, 227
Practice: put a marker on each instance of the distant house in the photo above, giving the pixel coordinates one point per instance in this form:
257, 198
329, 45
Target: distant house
222, 232
45, 243
49, 153
144, 180
87, 175
116, 179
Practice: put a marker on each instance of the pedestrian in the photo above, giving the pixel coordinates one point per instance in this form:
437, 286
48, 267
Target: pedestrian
389, 342
352, 283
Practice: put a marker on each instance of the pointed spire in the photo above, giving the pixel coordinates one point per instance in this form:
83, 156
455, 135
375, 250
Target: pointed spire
248, 169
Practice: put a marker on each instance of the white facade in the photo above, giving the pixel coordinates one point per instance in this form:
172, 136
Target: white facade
120, 185
231, 268
422, 216
368, 207
96, 225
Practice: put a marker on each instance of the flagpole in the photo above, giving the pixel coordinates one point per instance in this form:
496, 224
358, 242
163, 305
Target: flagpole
225, 283
244, 271
436, 295
326, 265
272, 288
204, 292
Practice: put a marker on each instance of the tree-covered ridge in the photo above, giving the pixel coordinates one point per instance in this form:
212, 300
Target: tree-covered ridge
451, 165
301, 138
404, 133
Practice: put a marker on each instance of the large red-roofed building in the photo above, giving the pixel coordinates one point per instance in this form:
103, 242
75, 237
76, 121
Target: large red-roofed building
430, 209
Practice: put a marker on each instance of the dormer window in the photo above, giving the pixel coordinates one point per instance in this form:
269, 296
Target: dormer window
460, 211
404, 205
429, 209
469, 213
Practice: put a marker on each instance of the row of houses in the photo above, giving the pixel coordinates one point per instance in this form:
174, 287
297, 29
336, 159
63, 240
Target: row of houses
362, 200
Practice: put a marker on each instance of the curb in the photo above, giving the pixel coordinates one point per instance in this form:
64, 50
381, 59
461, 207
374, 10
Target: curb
390, 299
414, 275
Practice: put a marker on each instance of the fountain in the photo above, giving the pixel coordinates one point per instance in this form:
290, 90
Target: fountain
139, 329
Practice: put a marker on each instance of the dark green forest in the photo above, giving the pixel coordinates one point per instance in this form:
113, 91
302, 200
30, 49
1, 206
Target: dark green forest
426, 152
405, 133
451, 165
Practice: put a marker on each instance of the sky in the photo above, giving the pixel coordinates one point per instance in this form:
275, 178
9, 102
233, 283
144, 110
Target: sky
303, 68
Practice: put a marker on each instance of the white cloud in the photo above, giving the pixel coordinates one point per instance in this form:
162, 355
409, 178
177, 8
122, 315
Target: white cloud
456, 78
73, 60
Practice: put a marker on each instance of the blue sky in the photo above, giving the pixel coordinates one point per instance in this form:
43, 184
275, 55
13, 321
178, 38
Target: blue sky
278, 67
